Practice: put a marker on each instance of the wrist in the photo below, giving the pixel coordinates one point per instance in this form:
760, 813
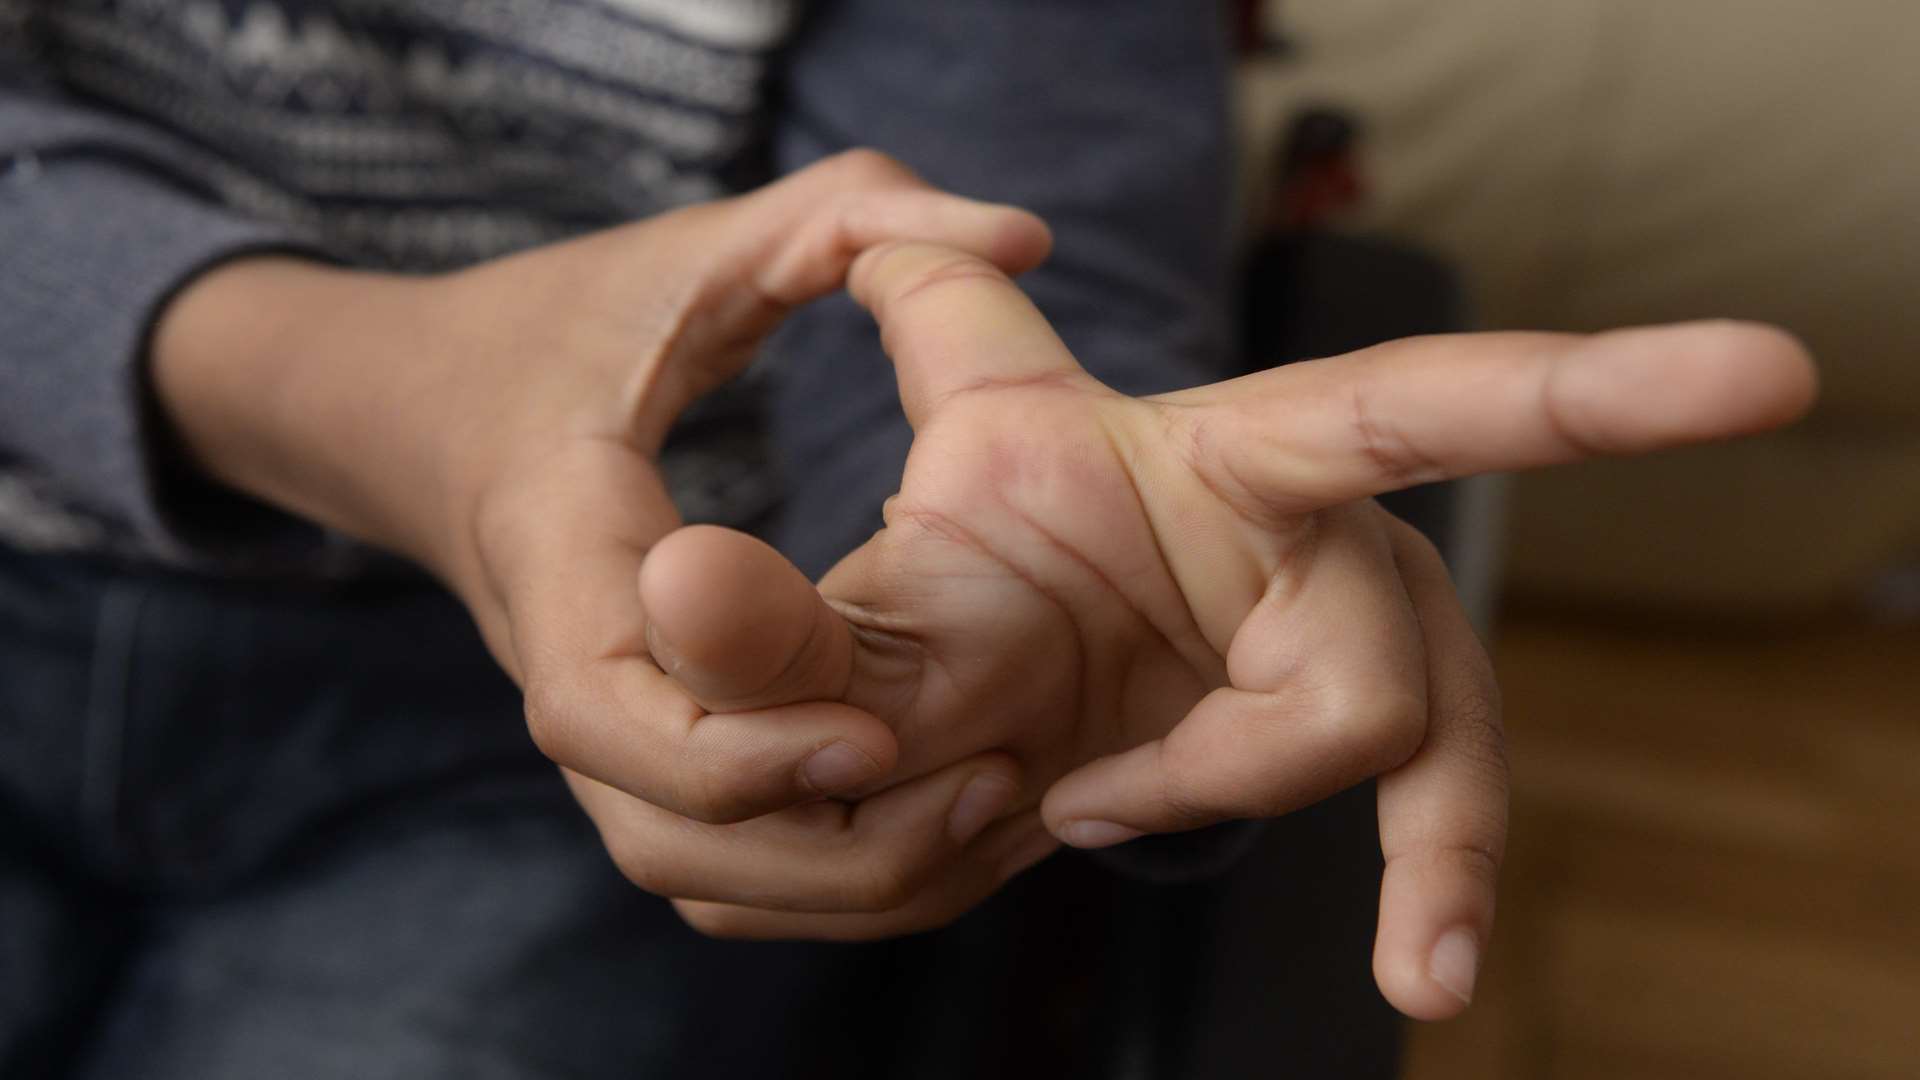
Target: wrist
309, 387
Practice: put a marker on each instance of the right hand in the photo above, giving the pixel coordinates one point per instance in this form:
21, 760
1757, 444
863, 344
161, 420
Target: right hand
1186, 608
500, 425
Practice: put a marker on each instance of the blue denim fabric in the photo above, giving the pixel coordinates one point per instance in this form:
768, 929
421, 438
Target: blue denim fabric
298, 832
270, 831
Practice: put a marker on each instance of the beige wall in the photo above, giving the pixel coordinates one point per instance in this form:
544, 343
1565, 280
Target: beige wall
1599, 162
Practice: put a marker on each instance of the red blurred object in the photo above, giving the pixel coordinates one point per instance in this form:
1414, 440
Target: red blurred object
1249, 22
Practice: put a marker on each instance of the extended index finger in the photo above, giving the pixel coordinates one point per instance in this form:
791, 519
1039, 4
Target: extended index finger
1409, 412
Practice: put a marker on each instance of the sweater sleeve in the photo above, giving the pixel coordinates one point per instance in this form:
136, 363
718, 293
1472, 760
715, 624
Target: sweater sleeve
1108, 120
102, 220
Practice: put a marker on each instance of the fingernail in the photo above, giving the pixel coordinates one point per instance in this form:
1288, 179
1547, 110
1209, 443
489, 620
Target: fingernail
1456, 962
1096, 834
1037, 847
984, 798
838, 767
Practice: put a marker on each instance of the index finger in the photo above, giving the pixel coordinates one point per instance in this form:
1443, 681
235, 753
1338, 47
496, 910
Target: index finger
1409, 412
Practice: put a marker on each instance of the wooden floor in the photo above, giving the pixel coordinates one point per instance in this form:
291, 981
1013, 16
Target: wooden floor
1714, 869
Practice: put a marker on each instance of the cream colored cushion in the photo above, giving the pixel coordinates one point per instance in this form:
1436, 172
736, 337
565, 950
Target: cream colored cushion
1591, 163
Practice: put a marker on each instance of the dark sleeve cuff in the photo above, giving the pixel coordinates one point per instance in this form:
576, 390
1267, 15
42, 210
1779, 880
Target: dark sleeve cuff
96, 246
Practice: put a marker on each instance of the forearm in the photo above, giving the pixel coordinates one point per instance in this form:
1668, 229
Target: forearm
312, 389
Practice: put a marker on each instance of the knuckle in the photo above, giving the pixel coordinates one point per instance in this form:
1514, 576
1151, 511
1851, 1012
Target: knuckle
1381, 441
1476, 729
1191, 807
1193, 790
1197, 436
713, 795
1382, 728
1480, 863
709, 780
950, 269
1477, 709
911, 275
549, 712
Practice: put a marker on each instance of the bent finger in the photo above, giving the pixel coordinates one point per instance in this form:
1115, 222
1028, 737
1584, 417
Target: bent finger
1443, 814
1328, 689
829, 212
596, 702
738, 625
764, 253
825, 856
1003, 853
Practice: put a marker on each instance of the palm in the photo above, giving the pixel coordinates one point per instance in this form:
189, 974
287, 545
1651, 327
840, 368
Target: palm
1025, 594
1187, 608
1137, 591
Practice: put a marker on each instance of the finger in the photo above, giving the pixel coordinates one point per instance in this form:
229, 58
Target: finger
1443, 814
738, 625
829, 212
1328, 689
953, 323
1409, 412
792, 242
822, 857
742, 631
597, 703
1003, 853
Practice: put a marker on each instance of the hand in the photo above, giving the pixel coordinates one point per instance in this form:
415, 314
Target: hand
1185, 607
499, 425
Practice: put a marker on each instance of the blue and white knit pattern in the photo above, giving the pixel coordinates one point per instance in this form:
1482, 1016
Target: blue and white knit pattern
430, 133
422, 135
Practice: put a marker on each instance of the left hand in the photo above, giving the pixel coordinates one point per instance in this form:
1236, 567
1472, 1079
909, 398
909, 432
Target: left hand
1186, 609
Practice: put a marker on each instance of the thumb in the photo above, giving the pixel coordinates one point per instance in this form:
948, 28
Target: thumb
953, 323
738, 625
762, 254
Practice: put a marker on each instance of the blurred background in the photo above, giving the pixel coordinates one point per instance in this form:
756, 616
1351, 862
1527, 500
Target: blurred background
1712, 658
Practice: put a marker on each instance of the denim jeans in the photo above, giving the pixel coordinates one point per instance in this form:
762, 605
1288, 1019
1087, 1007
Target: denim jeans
272, 830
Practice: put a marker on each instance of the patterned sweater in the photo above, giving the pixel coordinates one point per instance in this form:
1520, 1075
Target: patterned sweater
144, 140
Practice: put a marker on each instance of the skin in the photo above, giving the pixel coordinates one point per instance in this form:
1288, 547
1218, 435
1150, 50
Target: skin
1087, 617
1182, 610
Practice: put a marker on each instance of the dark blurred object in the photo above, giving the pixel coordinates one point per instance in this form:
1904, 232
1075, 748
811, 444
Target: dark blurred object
1261, 971
1250, 22
1308, 291
1316, 172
